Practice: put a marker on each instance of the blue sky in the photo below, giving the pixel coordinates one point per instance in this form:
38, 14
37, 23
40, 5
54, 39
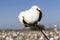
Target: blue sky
10, 9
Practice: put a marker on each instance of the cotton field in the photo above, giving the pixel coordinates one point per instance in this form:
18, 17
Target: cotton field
29, 35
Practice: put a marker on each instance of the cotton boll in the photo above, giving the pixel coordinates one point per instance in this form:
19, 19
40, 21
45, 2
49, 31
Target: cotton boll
9, 38
41, 38
30, 16
56, 37
51, 38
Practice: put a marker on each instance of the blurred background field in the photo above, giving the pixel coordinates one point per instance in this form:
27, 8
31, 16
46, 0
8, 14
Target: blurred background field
52, 34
